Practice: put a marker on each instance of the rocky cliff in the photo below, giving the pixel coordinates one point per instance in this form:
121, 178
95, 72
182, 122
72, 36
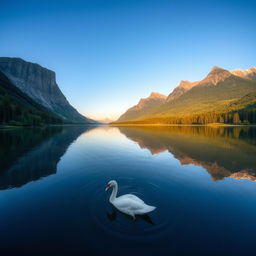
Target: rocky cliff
40, 84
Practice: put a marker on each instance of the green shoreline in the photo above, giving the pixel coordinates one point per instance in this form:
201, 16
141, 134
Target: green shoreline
208, 125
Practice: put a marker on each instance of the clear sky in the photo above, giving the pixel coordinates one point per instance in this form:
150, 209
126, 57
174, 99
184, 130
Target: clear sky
109, 54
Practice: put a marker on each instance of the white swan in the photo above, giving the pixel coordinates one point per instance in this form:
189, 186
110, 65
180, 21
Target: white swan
129, 204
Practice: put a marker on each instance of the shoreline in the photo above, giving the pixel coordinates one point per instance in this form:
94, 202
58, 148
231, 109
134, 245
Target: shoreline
2, 127
207, 125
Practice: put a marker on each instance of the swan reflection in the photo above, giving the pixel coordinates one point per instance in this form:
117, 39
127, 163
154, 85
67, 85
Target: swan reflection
113, 216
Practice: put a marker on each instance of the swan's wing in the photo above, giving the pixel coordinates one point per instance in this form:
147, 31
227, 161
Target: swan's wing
130, 206
126, 203
132, 197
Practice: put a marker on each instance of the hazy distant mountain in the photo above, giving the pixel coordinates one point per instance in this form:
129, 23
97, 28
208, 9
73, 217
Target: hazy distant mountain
206, 101
40, 84
144, 106
105, 120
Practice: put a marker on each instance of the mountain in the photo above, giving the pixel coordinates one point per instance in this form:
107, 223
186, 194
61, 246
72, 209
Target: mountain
144, 106
214, 99
40, 84
16, 107
215, 76
214, 93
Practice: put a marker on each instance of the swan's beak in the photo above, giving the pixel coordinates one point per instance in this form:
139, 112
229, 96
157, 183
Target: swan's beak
107, 187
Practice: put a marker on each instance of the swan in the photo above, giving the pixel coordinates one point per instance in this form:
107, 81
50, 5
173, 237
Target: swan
128, 204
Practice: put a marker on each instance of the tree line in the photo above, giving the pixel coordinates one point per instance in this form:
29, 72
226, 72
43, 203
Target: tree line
244, 116
15, 113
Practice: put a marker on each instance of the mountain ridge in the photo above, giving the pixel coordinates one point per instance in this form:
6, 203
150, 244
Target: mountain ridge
218, 93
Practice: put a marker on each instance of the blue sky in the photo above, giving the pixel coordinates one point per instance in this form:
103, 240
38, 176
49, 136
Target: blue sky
109, 54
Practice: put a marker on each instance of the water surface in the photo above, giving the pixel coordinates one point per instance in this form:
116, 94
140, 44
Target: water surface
202, 181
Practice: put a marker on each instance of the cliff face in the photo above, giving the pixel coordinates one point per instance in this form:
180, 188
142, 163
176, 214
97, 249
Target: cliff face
16, 107
40, 84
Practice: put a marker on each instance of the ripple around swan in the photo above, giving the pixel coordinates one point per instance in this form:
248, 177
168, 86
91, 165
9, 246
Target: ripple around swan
121, 225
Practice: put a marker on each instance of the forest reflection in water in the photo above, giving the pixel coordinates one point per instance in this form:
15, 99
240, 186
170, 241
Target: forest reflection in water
28, 154
222, 151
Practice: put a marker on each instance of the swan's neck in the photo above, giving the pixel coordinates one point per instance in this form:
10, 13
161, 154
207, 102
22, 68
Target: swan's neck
114, 193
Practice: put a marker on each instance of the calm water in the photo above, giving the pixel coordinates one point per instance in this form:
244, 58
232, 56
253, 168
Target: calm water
202, 181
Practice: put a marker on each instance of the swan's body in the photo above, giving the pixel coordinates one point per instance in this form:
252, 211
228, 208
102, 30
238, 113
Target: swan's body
129, 204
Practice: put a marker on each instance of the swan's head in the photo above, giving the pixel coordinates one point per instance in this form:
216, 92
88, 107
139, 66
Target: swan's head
112, 183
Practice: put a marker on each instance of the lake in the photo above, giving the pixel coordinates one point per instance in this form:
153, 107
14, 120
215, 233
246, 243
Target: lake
201, 179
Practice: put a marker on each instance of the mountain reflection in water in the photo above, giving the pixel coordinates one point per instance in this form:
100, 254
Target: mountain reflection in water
28, 154
222, 151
